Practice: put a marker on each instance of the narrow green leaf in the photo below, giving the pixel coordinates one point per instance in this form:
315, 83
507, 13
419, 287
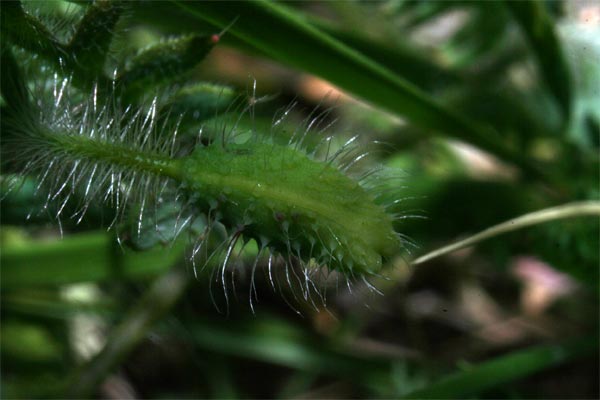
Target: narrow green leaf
27, 32
78, 59
154, 305
405, 61
280, 343
89, 45
79, 258
49, 303
12, 86
538, 27
28, 342
504, 369
284, 36
163, 61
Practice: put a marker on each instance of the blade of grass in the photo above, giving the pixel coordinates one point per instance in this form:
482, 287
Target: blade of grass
576, 209
504, 369
538, 27
280, 343
49, 304
407, 62
155, 303
78, 258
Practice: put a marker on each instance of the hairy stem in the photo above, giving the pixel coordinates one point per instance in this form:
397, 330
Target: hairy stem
112, 153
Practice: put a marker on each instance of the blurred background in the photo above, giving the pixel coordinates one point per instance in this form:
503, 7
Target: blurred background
512, 317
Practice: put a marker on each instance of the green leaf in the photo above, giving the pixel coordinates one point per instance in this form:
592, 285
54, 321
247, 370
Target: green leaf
582, 48
504, 369
90, 43
83, 58
26, 31
483, 33
278, 342
78, 258
28, 342
162, 62
162, 229
12, 86
538, 27
156, 302
48, 303
408, 62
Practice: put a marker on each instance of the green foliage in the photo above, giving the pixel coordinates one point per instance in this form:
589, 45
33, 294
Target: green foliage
140, 116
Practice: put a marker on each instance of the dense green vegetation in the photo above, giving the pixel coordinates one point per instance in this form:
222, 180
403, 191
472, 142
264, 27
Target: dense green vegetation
458, 117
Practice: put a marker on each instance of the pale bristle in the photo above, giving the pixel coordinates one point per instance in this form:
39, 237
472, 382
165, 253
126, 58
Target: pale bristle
65, 175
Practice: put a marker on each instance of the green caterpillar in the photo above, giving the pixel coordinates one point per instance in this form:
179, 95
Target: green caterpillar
275, 194
304, 209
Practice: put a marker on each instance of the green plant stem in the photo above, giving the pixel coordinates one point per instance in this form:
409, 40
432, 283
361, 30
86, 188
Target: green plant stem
115, 154
155, 303
576, 209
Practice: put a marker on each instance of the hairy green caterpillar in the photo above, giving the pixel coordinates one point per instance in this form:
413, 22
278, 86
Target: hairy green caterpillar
307, 207
303, 208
